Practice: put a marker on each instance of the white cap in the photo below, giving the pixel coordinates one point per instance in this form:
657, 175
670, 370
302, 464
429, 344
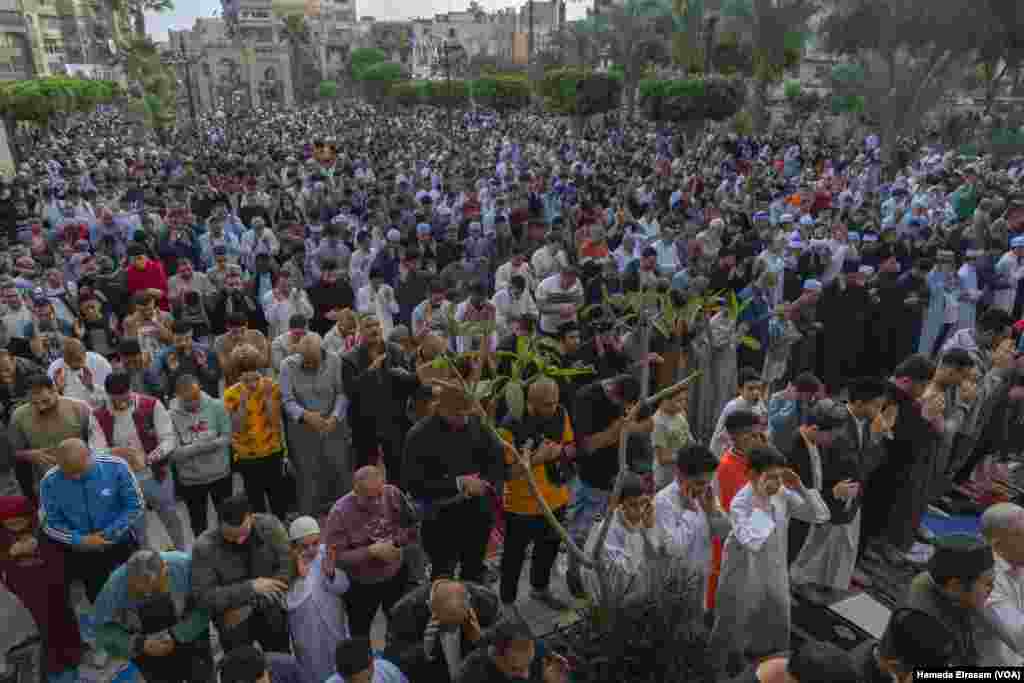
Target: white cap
303, 527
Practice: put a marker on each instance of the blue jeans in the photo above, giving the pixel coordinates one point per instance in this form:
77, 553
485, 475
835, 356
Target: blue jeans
160, 496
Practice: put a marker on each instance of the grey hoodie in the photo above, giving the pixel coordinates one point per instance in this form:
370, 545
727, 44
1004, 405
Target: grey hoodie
202, 442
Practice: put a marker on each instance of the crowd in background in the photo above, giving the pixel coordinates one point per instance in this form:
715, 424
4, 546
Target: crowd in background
266, 315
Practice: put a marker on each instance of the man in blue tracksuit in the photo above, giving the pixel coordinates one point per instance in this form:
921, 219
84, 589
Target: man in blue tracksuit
90, 501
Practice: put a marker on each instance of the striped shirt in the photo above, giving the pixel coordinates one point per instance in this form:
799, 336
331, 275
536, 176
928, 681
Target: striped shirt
105, 500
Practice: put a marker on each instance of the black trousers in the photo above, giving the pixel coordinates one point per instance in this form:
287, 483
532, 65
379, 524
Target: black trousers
94, 567
195, 497
458, 535
188, 663
264, 480
520, 531
267, 626
362, 600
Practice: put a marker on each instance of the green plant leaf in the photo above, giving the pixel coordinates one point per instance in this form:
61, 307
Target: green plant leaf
515, 398
750, 343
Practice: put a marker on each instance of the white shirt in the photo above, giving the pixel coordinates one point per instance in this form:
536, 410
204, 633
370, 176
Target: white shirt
686, 529
505, 308
551, 288
278, 313
546, 263
381, 303
251, 246
359, 268
177, 287
126, 434
1006, 602
74, 387
503, 276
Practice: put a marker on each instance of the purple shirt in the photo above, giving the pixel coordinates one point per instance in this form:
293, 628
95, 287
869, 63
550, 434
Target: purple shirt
353, 526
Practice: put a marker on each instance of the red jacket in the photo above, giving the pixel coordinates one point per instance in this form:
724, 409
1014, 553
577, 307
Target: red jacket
150, 277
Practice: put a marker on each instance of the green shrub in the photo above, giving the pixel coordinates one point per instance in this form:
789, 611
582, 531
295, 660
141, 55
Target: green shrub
573, 91
847, 104
328, 90
792, 89
694, 99
383, 72
364, 57
501, 91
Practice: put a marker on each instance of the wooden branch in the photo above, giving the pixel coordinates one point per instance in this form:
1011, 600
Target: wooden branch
524, 462
602, 535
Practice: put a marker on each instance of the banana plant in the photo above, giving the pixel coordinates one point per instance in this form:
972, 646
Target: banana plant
534, 357
734, 309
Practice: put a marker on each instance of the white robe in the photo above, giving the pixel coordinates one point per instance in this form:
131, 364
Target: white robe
752, 603
687, 530
1010, 267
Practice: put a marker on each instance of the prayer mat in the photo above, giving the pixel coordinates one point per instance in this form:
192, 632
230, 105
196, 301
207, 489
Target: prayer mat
821, 623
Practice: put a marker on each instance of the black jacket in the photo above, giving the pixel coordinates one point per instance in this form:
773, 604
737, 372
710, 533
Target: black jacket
436, 453
407, 624
377, 397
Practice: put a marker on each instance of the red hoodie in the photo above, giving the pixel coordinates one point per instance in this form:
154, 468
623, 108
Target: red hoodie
150, 277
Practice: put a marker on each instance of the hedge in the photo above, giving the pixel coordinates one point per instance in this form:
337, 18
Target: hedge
38, 99
574, 91
693, 99
501, 91
363, 58
328, 90
434, 93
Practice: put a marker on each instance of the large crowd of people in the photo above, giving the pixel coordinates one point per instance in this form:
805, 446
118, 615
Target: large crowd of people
295, 296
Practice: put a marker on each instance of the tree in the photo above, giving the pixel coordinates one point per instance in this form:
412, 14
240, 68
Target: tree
154, 85
136, 10
1002, 52
304, 72
776, 31
910, 53
633, 35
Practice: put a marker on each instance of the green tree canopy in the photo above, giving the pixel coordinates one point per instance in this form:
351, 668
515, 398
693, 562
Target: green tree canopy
40, 99
905, 57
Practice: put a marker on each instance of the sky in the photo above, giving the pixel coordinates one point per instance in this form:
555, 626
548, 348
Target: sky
186, 11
